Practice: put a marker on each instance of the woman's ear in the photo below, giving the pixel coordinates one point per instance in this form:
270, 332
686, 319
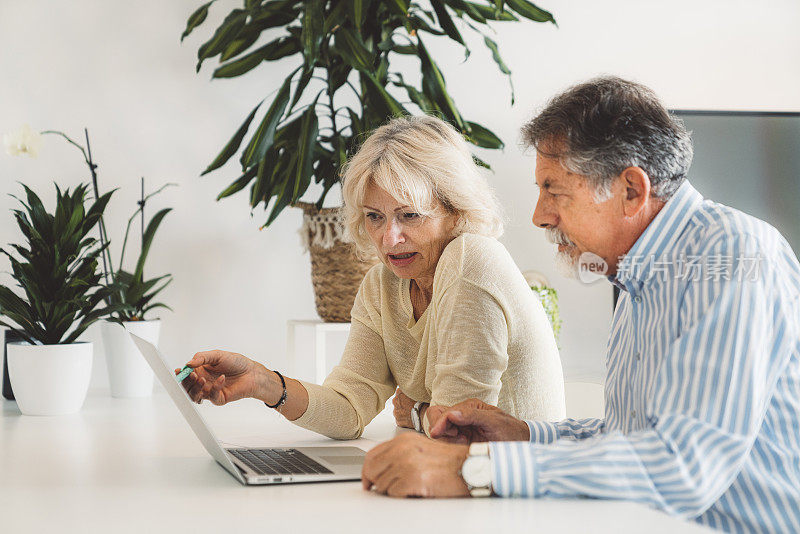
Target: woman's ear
457, 225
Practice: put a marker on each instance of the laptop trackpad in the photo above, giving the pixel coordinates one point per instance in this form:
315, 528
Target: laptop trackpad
343, 460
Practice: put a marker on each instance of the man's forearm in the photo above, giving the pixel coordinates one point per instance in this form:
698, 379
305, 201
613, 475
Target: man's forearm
639, 467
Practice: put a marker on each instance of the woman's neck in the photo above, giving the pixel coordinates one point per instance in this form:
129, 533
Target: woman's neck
421, 294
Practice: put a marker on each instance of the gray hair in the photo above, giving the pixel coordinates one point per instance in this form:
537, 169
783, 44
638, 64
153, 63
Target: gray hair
425, 163
601, 127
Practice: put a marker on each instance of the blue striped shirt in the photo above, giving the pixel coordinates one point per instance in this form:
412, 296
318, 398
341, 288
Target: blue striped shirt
702, 416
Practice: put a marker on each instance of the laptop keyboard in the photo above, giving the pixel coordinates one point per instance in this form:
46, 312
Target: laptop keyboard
279, 462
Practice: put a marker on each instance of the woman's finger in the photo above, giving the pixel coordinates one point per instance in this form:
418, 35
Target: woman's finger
209, 357
215, 394
188, 382
195, 389
205, 391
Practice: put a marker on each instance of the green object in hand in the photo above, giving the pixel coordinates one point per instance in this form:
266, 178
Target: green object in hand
186, 371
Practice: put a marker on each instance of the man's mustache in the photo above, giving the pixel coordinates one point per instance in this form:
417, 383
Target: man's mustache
557, 237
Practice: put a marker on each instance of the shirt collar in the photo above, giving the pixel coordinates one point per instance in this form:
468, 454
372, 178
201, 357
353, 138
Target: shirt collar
658, 239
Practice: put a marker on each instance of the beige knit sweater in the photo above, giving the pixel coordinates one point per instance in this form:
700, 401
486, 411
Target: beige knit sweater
484, 335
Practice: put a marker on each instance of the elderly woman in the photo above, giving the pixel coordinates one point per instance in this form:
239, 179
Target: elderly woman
445, 316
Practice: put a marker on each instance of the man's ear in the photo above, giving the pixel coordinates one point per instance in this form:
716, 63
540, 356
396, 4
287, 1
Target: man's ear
636, 183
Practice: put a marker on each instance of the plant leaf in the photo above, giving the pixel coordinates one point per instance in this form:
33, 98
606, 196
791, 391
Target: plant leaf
483, 137
302, 83
265, 134
531, 11
239, 184
240, 66
313, 19
399, 6
422, 101
479, 162
262, 188
233, 145
389, 104
227, 32
496, 55
196, 19
492, 13
285, 194
358, 12
433, 85
245, 40
309, 128
156, 305
147, 240
500, 63
335, 18
446, 22
95, 212
353, 50
419, 24
467, 8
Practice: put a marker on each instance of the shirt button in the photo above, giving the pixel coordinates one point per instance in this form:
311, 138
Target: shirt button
638, 356
637, 299
633, 413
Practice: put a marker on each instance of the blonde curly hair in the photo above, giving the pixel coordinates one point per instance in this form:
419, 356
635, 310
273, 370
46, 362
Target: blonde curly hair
425, 163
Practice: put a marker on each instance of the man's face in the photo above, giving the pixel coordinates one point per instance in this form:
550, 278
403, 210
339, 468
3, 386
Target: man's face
574, 219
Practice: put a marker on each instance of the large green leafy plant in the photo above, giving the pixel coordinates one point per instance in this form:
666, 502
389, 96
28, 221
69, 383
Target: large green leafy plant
345, 84
57, 270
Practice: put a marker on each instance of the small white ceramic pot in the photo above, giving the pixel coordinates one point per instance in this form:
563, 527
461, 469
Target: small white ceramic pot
129, 375
50, 379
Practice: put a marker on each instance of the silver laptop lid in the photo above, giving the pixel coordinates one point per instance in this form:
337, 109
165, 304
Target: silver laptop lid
185, 404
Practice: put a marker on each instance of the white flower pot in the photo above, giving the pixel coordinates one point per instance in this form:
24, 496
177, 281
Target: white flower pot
50, 379
128, 373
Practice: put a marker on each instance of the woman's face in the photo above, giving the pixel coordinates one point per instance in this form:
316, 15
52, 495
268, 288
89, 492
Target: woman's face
409, 243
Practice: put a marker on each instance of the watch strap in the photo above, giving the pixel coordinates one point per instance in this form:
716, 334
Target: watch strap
416, 418
479, 448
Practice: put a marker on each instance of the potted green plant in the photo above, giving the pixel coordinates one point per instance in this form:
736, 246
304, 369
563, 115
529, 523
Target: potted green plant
129, 374
345, 85
131, 295
63, 295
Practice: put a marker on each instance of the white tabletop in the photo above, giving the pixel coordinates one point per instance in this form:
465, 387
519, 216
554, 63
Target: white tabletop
133, 465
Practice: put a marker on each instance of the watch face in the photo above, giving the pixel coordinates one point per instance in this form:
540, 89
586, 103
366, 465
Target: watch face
477, 471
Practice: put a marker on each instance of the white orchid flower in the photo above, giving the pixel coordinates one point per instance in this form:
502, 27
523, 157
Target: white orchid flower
24, 141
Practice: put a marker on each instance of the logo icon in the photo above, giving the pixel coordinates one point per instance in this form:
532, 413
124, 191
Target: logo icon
591, 268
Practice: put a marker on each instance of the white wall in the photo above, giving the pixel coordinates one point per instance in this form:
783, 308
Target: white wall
119, 68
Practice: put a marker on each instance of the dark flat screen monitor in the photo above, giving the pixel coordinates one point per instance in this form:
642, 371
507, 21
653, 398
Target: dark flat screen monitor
749, 161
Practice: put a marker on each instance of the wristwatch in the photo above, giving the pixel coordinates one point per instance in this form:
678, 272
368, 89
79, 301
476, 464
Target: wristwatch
477, 470
415, 418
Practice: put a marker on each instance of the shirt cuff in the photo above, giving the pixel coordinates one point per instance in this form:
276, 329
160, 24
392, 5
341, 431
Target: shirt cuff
542, 431
513, 468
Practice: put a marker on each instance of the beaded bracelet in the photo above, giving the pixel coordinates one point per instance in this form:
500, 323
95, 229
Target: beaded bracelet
282, 400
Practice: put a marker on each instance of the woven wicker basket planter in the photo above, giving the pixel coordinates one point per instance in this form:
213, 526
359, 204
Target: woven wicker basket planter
336, 272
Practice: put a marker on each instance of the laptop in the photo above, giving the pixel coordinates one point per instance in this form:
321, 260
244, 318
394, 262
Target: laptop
257, 466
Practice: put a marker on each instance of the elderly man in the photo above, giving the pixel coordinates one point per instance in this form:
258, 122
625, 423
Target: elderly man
703, 364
